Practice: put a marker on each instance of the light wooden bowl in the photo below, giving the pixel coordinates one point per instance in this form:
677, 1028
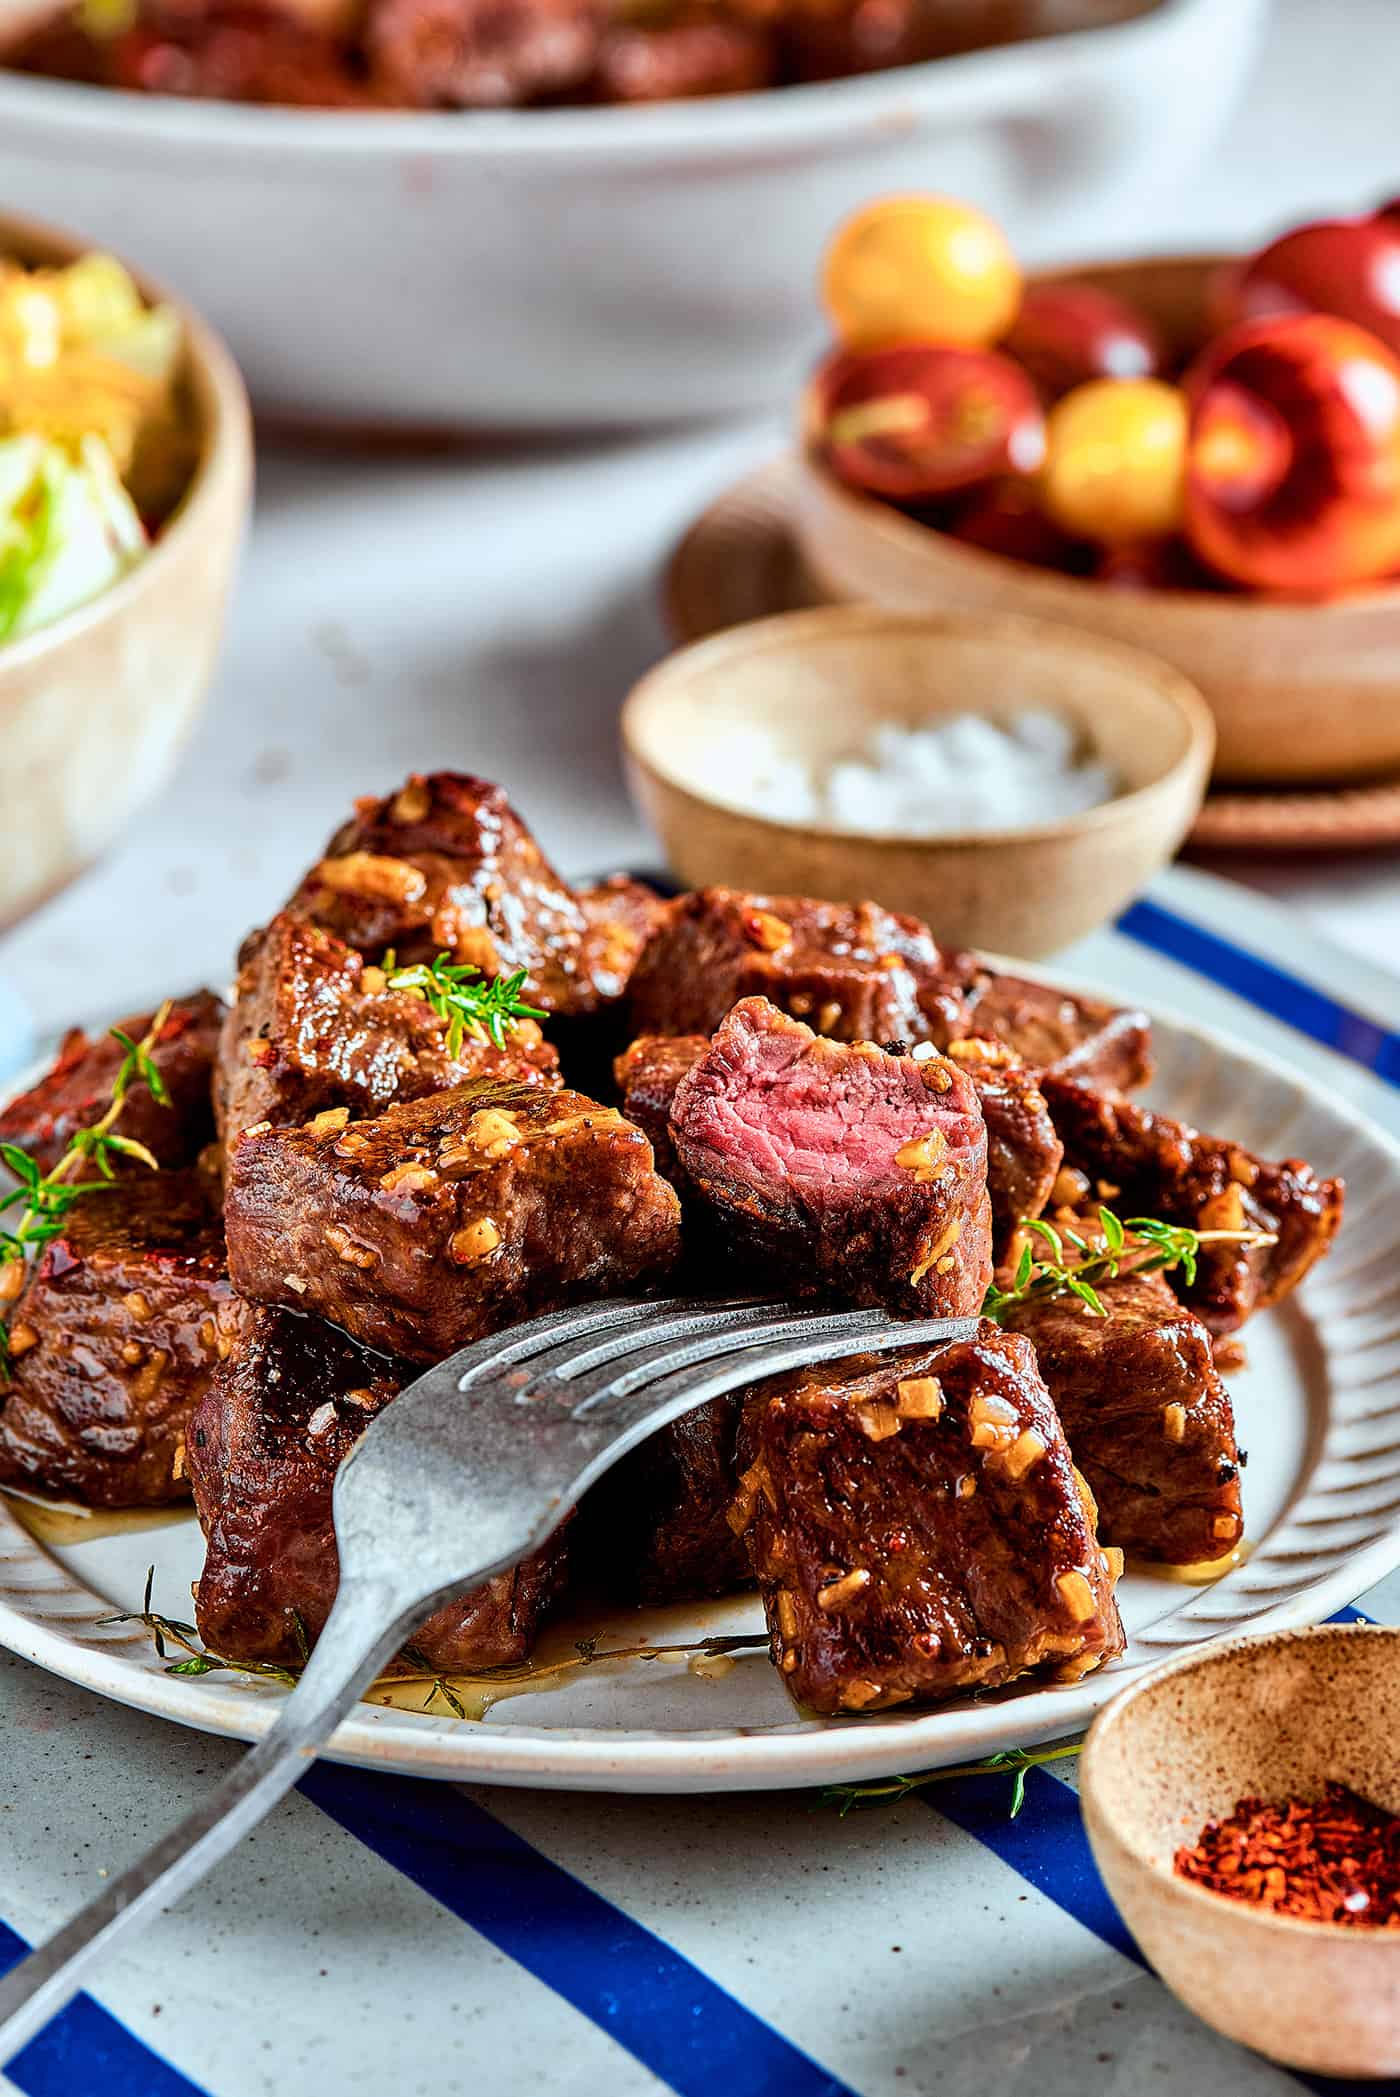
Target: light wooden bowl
1305, 693
94, 709
1262, 1717
822, 679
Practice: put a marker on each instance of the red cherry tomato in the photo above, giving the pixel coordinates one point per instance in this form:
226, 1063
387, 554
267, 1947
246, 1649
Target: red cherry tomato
1349, 267
1067, 333
1293, 455
1007, 519
922, 420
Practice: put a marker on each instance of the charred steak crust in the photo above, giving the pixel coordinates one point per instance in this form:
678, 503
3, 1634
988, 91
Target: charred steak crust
1024, 1154
313, 1026
1147, 1417
446, 865
1061, 1033
918, 1528
445, 1218
113, 1344
77, 1088
838, 1168
1165, 1168
287, 1405
648, 1076
656, 1528
857, 972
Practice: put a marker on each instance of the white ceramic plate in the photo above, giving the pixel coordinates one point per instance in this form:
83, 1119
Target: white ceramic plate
1318, 1410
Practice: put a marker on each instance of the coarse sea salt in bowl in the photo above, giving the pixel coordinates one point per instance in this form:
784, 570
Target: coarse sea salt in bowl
1014, 783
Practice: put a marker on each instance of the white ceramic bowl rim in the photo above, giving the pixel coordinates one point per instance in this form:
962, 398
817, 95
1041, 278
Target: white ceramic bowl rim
1250, 1914
775, 632
974, 84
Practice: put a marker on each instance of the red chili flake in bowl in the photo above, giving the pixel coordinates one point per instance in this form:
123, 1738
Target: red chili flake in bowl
1333, 1859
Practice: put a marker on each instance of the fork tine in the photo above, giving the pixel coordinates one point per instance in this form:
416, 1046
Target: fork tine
518, 1343
568, 1362
628, 1417
697, 1341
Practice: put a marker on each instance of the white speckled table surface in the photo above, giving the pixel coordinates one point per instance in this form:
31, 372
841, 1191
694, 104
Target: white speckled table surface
490, 612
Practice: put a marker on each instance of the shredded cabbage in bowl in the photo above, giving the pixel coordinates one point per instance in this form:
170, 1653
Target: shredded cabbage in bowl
93, 439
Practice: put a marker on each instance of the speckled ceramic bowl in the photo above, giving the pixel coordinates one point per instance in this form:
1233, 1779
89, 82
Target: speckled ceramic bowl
822, 680
95, 708
1266, 1717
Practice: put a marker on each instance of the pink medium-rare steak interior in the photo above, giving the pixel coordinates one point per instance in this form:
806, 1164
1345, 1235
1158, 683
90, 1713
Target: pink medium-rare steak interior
773, 1101
839, 1167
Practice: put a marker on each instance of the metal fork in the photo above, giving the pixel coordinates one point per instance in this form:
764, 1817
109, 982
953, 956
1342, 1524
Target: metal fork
436, 1498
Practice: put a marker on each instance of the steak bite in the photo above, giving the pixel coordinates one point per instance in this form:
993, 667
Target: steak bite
1160, 1167
313, 1026
648, 1076
448, 1217
1146, 1415
113, 1343
1060, 1032
1024, 1154
286, 1407
479, 54
656, 1527
857, 972
77, 1089
446, 865
836, 1167
919, 1530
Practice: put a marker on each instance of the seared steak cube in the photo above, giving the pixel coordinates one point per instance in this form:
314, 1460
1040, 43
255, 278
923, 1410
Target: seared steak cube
1147, 1417
446, 865
1061, 1032
1024, 1154
77, 1089
1023, 1151
1160, 1167
446, 1218
656, 1528
919, 1530
648, 1076
286, 1407
692, 53
312, 1026
857, 972
834, 1166
113, 1343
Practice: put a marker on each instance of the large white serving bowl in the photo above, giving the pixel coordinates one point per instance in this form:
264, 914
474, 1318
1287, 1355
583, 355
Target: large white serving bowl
542, 269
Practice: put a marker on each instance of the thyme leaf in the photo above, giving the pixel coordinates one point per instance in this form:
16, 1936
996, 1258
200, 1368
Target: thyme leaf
45, 1198
1013, 1762
1067, 1264
485, 1008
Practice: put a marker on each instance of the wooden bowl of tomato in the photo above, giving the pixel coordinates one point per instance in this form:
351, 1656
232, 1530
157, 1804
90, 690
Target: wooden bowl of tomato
957, 476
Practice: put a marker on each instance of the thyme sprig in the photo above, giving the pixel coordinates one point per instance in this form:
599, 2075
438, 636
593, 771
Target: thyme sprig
415, 1666
44, 1199
1013, 1762
199, 1659
1043, 1274
484, 1007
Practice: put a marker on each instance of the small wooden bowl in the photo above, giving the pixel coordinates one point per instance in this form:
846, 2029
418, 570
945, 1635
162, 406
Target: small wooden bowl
822, 679
1301, 692
95, 707
1261, 1717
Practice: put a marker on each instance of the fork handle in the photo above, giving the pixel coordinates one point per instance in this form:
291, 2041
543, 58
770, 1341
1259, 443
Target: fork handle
358, 1639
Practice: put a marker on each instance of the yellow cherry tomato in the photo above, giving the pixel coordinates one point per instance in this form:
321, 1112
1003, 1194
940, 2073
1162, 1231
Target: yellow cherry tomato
1115, 458
920, 269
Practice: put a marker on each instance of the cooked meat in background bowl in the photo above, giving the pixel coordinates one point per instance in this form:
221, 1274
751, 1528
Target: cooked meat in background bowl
98, 688
417, 268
